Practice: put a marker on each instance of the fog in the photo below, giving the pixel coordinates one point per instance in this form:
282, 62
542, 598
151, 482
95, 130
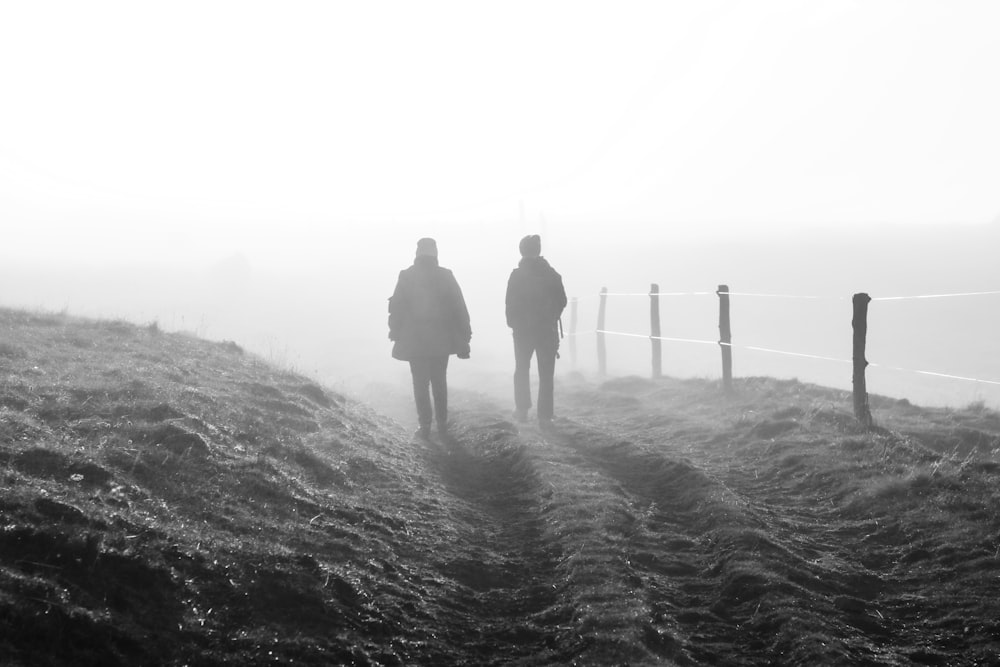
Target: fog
328, 318
260, 173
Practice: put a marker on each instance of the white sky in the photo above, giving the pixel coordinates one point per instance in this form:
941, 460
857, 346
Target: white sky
134, 127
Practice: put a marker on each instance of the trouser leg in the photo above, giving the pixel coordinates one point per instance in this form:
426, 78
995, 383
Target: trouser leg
439, 386
523, 349
420, 370
545, 353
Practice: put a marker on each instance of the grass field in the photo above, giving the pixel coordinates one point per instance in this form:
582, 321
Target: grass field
169, 500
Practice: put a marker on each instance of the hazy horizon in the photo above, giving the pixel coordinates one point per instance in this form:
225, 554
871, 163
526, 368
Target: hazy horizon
329, 320
261, 172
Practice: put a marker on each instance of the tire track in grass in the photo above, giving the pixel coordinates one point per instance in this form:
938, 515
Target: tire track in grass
662, 526
502, 566
497, 596
765, 581
590, 520
541, 559
617, 610
579, 545
601, 604
534, 550
787, 572
665, 550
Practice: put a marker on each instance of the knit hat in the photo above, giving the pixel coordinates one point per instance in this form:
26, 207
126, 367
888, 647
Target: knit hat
427, 247
531, 246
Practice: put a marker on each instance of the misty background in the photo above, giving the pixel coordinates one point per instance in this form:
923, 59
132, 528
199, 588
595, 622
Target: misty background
260, 172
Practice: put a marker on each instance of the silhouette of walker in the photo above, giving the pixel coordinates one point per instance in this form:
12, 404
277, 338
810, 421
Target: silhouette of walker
428, 322
535, 301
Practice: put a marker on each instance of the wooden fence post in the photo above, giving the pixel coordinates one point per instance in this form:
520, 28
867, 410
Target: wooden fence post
725, 338
572, 331
654, 329
860, 325
602, 361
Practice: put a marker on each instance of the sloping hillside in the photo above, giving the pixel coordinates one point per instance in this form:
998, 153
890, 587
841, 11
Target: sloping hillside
168, 500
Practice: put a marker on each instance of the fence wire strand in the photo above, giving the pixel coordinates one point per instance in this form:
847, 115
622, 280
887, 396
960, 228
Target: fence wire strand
730, 345
649, 294
795, 354
785, 296
933, 373
797, 296
783, 352
932, 296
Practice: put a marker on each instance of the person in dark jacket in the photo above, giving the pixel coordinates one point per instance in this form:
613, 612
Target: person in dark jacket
428, 322
535, 301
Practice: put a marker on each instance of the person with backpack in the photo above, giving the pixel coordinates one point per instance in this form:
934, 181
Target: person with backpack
535, 301
428, 322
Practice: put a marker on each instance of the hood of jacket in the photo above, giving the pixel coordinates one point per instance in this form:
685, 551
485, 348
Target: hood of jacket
539, 264
425, 261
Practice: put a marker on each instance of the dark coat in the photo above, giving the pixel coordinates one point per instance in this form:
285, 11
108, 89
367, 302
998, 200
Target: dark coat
427, 313
535, 296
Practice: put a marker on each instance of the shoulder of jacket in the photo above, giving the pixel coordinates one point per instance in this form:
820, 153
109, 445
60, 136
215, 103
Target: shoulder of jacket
446, 275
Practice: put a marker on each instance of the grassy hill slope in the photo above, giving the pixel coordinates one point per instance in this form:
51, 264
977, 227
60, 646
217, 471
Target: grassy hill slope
168, 500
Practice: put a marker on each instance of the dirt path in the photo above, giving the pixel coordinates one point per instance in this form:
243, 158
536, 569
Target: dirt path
630, 534
574, 545
541, 549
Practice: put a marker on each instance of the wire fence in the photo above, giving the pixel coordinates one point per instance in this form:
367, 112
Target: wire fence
655, 294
